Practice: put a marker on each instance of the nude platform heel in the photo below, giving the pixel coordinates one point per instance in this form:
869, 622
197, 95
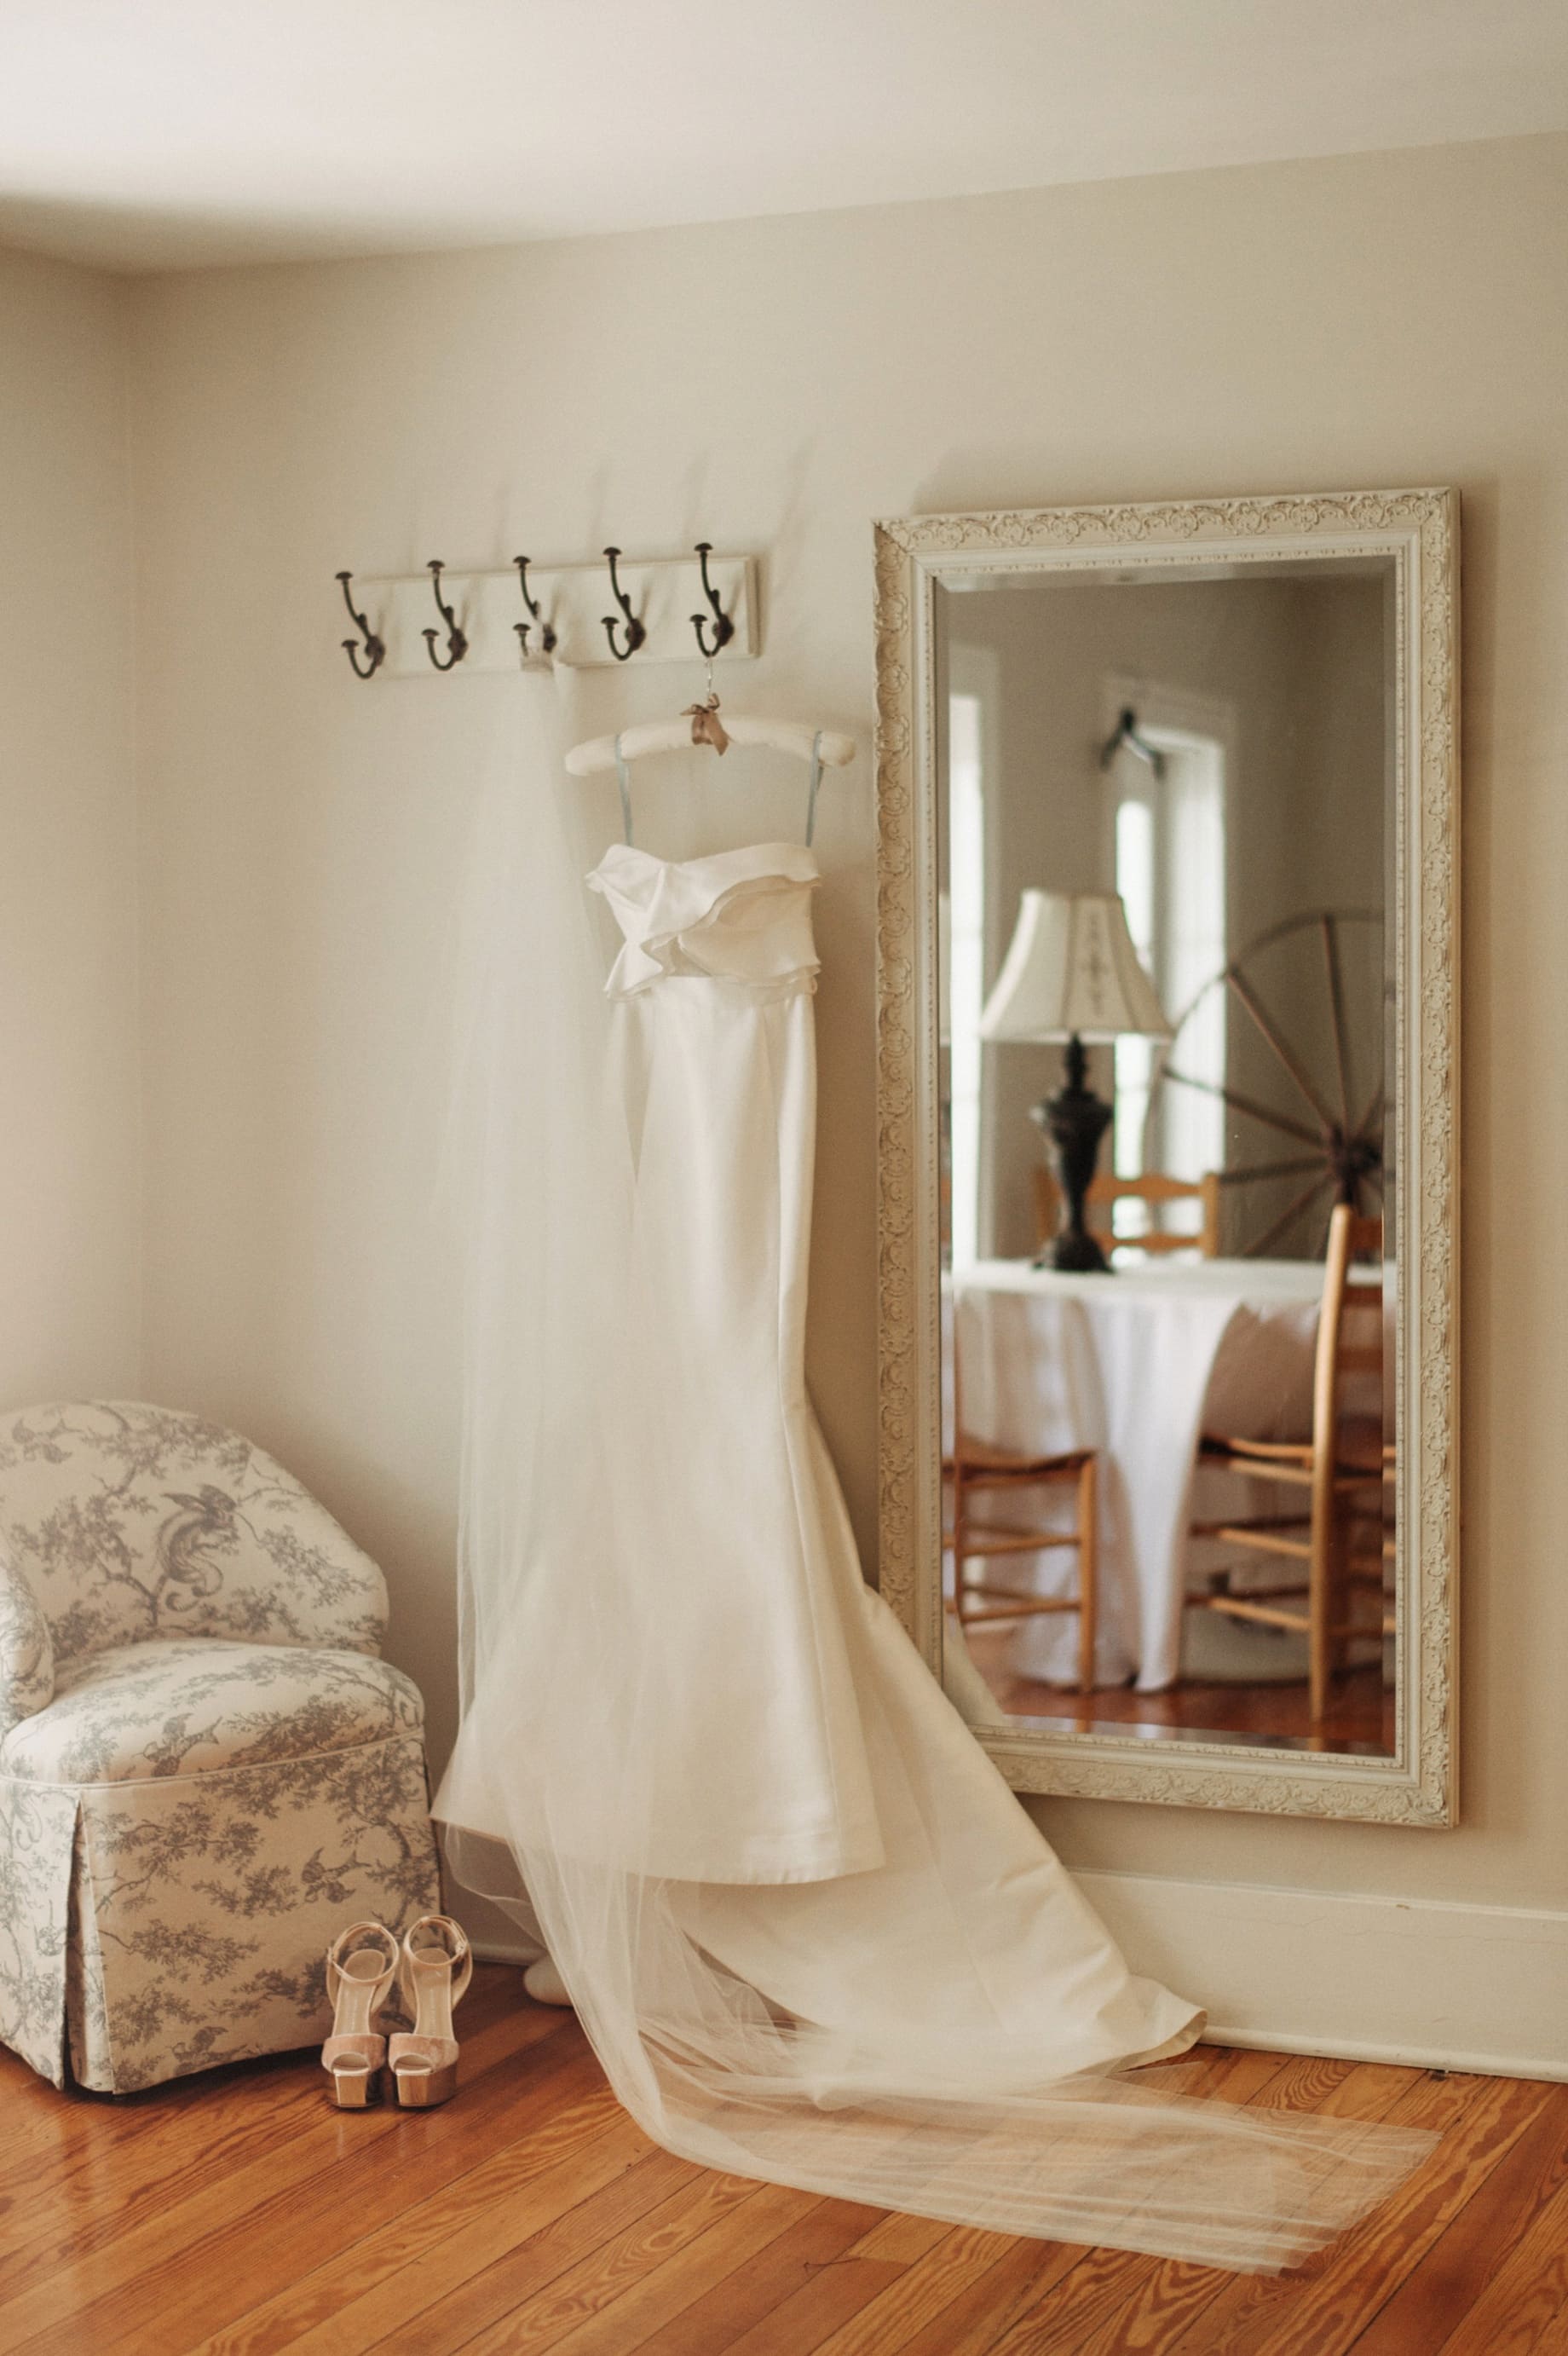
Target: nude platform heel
437, 1966
361, 1965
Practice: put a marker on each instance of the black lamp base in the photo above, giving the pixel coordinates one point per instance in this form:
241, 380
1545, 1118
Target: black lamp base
1075, 1121
1074, 1256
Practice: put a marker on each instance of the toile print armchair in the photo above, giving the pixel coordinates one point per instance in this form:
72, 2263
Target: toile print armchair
206, 1769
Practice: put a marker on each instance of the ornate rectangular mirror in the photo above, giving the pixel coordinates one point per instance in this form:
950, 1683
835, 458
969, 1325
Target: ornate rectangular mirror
1167, 1102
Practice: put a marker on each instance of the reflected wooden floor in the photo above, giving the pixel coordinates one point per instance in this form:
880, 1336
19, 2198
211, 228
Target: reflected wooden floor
237, 2213
1360, 1715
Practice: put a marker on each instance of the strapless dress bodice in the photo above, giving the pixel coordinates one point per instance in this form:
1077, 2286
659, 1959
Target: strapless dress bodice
741, 916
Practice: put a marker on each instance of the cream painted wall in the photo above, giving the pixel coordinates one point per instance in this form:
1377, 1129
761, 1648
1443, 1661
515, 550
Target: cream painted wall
70, 1170
775, 385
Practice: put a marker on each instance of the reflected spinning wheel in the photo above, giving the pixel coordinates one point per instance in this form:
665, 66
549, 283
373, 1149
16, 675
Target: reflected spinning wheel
1296, 1024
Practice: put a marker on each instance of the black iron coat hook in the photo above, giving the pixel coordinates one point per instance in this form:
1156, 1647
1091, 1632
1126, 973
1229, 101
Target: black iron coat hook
366, 642
456, 643
1129, 738
723, 627
636, 633
548, 637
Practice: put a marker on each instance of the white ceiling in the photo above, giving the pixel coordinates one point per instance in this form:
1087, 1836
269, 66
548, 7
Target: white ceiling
154, 133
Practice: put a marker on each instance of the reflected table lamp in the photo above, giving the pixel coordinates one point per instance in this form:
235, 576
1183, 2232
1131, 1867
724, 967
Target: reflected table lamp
1071, 973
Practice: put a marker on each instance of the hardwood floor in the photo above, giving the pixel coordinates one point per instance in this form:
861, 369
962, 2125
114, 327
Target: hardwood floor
1360, 1714
239, 2213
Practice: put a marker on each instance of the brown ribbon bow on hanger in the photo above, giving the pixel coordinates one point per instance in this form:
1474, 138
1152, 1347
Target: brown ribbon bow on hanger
707, 728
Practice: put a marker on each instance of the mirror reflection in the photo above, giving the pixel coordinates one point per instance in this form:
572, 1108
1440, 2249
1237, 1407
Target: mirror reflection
1166, 823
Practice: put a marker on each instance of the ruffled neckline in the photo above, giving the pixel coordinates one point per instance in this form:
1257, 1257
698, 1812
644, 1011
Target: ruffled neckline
701, 917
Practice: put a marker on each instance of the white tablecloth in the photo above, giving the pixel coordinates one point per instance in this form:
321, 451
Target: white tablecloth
1134, 1364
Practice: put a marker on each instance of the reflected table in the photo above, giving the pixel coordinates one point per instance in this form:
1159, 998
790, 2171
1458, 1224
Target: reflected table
1135, 1364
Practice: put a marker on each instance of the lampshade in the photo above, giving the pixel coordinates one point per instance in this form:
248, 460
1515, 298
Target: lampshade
1071, 968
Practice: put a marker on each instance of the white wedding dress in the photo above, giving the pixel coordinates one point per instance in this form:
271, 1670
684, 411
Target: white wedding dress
810, 1930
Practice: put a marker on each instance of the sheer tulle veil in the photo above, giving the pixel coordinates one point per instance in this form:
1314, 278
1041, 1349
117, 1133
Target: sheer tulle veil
571, 1793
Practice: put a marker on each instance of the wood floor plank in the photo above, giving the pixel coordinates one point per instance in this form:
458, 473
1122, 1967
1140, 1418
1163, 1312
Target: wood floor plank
712, 2323
130, 2143
149, 2164
633, 2285
1553, 2337
1229, 2073
883, 2252
172, 2308
922, 2292
146, 2153
1086, 2303
1525, 2293
50, 2132
214, 2249
1123, 2304
48, 2127
798, 2325
402, 2268
884, 2249
1321, 2309
1151, 2314
903, 2239
973, 2306
540, 2260
1152, 2289
973, 2322
39, 2300
1434, 2299
45, 2124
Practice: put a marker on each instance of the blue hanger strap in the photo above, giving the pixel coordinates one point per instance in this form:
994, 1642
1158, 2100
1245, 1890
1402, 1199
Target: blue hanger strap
815, 781
624, 778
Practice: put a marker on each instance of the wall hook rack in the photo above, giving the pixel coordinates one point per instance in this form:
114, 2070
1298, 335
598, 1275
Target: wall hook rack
636, 633
723, 627
562, 619
456, 643
368, 641
548, 639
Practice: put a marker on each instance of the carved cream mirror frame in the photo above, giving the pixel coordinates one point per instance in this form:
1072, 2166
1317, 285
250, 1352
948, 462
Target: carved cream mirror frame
1419, 531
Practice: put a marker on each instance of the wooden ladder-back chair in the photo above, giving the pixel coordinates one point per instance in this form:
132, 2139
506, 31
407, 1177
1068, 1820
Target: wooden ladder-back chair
975, 1469
1343, 1467
1154, 1188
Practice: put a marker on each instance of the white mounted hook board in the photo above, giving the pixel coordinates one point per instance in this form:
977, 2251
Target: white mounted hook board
663, 594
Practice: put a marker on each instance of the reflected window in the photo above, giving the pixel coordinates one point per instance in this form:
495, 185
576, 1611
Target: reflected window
1134, 1057
1169, 849
965, 961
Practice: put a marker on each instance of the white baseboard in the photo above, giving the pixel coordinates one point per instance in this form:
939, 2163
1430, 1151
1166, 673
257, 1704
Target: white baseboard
1366, 1979
1415, 1981
501, 1951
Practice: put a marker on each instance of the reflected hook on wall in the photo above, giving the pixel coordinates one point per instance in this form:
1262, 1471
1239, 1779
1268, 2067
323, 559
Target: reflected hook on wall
636, 633
546, 634
456, 643
1126, 739
723, 627
367, 643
